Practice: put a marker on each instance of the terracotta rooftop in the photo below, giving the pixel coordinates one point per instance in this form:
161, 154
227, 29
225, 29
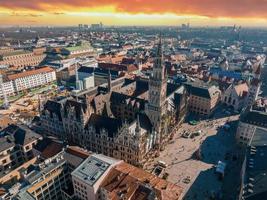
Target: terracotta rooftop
110, 59
77, 151
129, 181
4, 121
52, 149
30, 73
241, 88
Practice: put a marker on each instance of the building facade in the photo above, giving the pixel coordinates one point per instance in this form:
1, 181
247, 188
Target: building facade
22, 58
157, 104
253, 92
40, 179
250, 120
254, 168
103, 178
203, 99
122, 118
17, 144
235, 96
88, 177
27, 80
7, 88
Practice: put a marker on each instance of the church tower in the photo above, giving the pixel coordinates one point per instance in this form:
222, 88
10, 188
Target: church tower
157, 104
254, 87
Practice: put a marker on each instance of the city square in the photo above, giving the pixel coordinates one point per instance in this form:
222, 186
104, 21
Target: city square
215, 143
133, 100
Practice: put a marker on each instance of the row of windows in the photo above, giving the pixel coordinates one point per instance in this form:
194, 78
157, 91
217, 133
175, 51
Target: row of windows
80, 189
18, 56
198, 109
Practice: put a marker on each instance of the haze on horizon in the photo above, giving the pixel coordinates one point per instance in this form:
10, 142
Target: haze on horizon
134, 12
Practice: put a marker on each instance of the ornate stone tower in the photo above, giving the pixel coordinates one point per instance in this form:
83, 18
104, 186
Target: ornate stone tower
157, 104
254, 87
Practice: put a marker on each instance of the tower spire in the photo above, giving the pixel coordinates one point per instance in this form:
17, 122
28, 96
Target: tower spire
138, 122
138, 127
159, 49
109, 81
157, 104
78, 83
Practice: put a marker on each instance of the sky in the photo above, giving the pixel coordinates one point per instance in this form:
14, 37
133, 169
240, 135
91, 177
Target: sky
134, 12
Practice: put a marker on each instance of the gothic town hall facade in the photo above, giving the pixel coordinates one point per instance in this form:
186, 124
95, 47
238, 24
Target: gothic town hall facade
126, 119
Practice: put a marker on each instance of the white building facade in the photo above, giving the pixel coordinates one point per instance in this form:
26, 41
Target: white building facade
7, 88
27, 80
235, 96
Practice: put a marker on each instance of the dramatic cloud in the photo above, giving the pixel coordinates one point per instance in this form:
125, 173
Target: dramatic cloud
58, 13
134, 12
25, 15
210, 8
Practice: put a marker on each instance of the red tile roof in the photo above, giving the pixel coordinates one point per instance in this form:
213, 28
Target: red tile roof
52, 149
30, 73
132, 181
77, 151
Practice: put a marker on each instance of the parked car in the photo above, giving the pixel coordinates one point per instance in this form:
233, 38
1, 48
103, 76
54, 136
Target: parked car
162, 164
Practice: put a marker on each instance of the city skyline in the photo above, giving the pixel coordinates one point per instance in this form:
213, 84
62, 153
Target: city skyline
145, 13
133, 99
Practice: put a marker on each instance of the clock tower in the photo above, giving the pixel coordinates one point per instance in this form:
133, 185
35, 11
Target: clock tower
157, 104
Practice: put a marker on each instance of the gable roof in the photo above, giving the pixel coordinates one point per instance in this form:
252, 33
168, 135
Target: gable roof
111, 125
20, 134
255, 118
131, 181
30, 73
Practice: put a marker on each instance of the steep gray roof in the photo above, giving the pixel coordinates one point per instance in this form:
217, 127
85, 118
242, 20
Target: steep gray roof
111, 125
255, 118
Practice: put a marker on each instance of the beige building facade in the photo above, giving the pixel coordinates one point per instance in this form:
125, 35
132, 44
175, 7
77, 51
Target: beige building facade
203, 99
22, 58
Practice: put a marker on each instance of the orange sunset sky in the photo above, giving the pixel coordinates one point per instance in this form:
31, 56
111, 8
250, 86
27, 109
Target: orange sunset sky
134, 12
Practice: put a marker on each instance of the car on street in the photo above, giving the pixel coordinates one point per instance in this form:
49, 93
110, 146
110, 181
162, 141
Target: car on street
162, 164
193, 122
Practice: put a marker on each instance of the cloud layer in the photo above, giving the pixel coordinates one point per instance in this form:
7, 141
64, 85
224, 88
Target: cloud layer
210, 8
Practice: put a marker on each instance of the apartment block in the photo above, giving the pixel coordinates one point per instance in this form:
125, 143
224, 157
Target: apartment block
250, 120
103, 178
28, 79
44, 178
16, 147
89, 175
254, 168
203, 99
22, 58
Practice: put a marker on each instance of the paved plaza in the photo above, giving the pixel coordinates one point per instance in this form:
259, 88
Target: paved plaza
199, 175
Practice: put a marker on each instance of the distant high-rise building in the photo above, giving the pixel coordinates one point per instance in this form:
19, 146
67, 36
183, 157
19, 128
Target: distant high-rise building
185, 26
97, 26
80, 26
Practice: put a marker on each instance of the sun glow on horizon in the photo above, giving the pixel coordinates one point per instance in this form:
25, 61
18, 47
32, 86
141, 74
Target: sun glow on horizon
115, 12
